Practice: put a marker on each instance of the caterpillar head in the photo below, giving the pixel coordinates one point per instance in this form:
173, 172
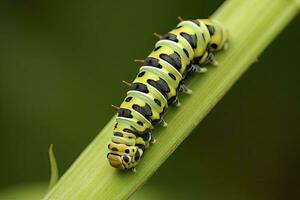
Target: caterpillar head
119, 161
218, 35
122, 156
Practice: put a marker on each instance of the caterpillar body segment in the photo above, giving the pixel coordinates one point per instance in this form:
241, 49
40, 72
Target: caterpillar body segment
177, 54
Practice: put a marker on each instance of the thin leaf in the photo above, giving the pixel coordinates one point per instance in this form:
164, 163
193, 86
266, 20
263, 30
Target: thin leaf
53, 168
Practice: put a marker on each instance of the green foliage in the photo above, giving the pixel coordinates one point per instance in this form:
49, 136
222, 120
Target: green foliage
252, 26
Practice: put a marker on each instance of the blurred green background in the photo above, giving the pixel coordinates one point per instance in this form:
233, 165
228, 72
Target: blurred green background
61, 66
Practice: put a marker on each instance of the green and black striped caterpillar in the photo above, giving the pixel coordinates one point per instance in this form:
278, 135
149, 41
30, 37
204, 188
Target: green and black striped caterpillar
182, 51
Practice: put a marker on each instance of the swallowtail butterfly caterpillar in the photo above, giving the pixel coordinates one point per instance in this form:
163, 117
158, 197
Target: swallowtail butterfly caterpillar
182, 51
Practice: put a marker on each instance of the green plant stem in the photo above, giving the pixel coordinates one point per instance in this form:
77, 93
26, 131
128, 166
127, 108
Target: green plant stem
252, 25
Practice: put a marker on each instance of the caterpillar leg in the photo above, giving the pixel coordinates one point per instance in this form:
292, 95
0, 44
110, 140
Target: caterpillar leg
198, 69
153, 140
176, 102
184, 89
148, 138
133, 169
163, 123
211, 59
225, 47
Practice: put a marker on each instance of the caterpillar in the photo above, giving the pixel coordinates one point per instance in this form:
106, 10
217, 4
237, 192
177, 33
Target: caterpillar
176, 55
